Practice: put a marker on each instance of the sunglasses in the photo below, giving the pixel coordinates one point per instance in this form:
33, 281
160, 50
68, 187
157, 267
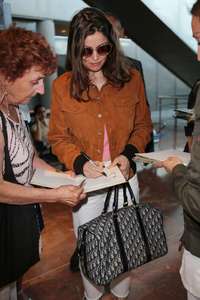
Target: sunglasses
101, 50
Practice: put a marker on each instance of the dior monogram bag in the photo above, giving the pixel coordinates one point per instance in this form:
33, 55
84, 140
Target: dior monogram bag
123, 239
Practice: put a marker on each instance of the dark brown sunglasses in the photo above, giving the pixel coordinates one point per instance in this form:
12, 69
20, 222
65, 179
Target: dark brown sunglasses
102, 50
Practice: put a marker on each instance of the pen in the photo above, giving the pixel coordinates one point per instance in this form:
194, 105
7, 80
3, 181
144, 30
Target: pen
82, 183
92, 162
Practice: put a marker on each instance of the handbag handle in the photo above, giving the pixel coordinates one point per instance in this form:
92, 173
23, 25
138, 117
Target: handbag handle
108, 196
125, 186
107, 200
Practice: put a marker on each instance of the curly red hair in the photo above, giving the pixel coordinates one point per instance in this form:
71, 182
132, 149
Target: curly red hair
21, 49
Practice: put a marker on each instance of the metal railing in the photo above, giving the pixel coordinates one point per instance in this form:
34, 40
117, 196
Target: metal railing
175, 100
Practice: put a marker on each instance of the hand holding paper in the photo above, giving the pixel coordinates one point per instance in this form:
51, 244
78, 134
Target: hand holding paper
169, 164
70, 195
160, 156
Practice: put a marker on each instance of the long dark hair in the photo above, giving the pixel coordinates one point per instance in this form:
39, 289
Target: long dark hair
87, 22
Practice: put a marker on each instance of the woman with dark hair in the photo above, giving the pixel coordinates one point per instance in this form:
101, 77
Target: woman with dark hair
26, 58
98, 109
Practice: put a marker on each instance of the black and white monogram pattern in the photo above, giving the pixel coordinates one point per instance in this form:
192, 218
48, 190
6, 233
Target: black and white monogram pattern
110, 245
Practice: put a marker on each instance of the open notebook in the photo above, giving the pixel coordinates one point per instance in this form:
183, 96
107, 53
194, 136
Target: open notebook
152, 157
53, 179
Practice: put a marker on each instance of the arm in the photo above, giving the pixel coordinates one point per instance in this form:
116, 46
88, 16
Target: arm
187, 191
142, 124
12, 193
60, 134
41, 164
186, 181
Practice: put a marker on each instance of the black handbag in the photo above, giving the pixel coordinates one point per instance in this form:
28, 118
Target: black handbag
123, 239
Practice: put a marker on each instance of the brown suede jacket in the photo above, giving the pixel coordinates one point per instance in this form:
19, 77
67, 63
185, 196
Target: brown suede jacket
79, 126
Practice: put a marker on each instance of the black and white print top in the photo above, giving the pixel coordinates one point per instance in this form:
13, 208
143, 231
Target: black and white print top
20, 149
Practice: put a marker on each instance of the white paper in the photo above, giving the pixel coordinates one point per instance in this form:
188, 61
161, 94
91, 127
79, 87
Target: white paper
184, 113
184, 110
114, 177
162, 155
53, 179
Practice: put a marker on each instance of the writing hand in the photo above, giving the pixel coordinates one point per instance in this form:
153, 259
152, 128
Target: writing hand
123, 163
93, 170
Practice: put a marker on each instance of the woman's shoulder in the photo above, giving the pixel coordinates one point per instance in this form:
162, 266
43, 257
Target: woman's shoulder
135, 73
63, 80
135, 78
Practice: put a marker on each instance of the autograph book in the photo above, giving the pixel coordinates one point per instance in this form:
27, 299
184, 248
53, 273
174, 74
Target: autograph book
51, 179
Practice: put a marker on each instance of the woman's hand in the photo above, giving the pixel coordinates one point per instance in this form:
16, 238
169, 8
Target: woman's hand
93, 170
70, 195
123, 163
169, 164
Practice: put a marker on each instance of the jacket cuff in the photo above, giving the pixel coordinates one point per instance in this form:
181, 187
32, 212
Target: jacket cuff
129, 151
179, 170
79, 163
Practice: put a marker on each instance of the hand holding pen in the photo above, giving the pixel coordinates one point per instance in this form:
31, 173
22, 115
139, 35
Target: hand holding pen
93, 169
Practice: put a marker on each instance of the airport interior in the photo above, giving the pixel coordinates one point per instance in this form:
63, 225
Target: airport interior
157, 33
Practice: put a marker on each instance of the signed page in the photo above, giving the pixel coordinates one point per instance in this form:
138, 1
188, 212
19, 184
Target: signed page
53, 179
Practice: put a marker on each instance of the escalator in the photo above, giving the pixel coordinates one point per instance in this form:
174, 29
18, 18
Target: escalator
151, 34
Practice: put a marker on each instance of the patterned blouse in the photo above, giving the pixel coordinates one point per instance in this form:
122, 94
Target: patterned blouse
20, 148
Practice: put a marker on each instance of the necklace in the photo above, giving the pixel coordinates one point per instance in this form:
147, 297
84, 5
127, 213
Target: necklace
5, 109
4, 94
4, 103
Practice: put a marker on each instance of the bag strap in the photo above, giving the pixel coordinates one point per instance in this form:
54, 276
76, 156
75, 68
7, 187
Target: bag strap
125, 186
125, 195
116, 198
9, 174
107, 200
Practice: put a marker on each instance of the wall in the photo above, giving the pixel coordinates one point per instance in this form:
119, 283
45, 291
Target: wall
45, 9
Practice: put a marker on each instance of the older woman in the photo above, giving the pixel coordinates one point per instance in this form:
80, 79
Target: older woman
98, 109
26, 59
